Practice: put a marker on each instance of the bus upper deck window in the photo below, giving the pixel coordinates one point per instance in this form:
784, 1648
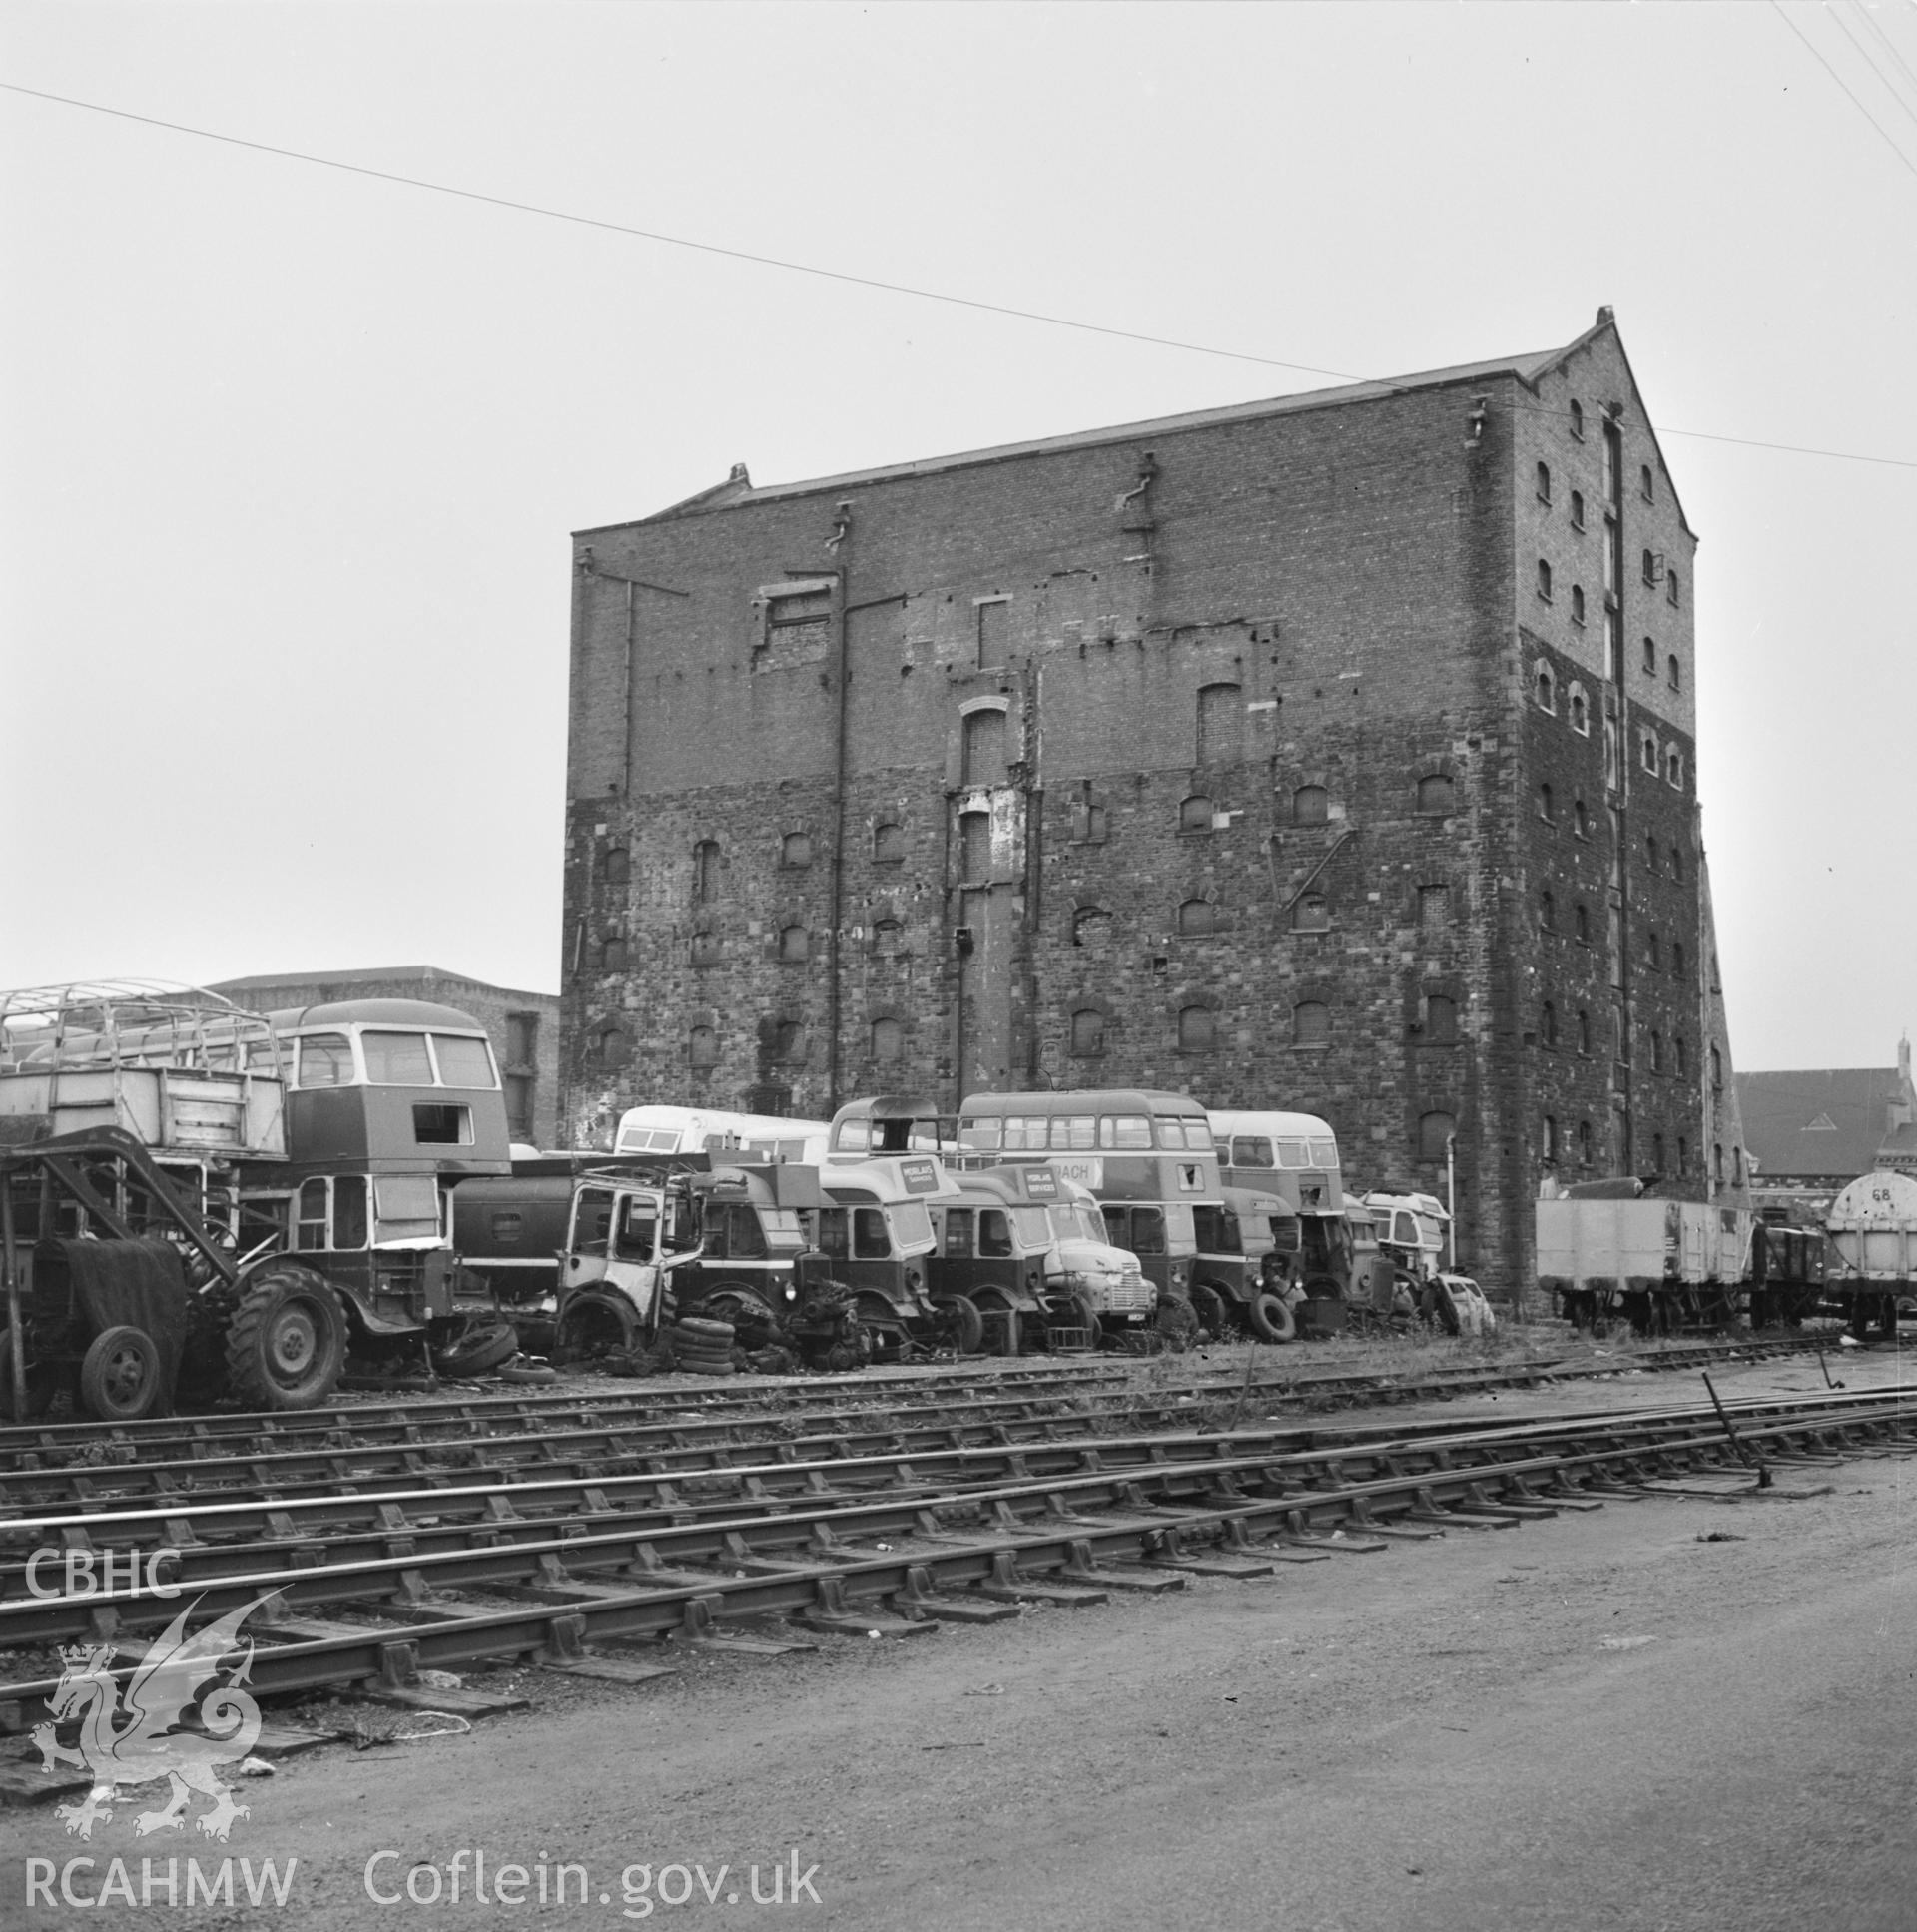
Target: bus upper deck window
463, 1060
325, 1060
1324, 1153
397, 1060
978, 1134
1074, 1132
869, 1239
1125, 1130
1293, 1154
434, 1125
1198, 1136
1025, 1134
1252, 1150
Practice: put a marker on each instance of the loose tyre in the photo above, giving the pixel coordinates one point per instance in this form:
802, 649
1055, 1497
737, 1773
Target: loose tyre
522, 1368
722, 1367
287, 1342
1271, 1319
485, 1345
703, 1328
120, 1377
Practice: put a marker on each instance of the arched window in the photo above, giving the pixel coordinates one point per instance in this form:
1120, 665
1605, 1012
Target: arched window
1546, 689
1673, 672
702, 1048
886, 936
1650, 750
1548, 1138
1441, 1020
1657, 1153
1092, 926
1655, 951
1675, 767
1650, 657
1221, 725
1544, 482
794, 850
615, 949
1087, 1032
1434, 795
1544, 810
1576, 603
1311, 914
785, 1042
1717, 1071
705, 871
1195, 918
1583, 1032
1654, 566
1197, 1029
1548, 1025
1657, 1051
1310, 804
1643, 484
888, 843
1717, 1162
612, 1047
1544, 580
984, 747
1580, 923
795, 944
1677, 958
1584, 1143
1435, 1129
1683, 1053
707, 948
1577, 422
1194, 814
1576, 509
1580, 819
1676, 863
1547, 912
1580, 711
888, 1041
1736, 1166
1650, 851
1311, 1023
1672, 593
619, 863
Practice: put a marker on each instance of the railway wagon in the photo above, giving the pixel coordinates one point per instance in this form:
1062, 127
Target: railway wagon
1872, 1226
1608, 1251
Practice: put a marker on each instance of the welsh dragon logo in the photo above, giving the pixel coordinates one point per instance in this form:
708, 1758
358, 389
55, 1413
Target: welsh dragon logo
143, 1741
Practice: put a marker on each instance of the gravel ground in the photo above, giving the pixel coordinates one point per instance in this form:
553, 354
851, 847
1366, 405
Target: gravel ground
1670, 1713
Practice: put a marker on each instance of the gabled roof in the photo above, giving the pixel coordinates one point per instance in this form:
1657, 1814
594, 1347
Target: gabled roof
1827, 1121
738, 490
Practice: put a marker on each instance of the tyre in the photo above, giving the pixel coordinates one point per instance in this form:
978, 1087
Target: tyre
593, 1326
522, 1368
483, 1346
1209, 1306
721, 1367
1271, 1319
696, 1328
1176, 1321
287, 1342
120, 1376
964, 1322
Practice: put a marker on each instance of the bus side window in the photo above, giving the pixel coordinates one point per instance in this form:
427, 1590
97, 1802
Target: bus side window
1147, 1231
1251, 1150
592, 1222
744, 1236
831, 1233
869, 1239
1118, 1227
995, 1235
312, 1214
349, 1211
957, 1244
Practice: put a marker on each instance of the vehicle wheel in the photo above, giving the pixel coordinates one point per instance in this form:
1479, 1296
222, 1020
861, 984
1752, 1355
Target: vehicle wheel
482, 1344
841, 1356
287, 1342
1271, 1319
522, 1368
42, 1381
1209, 1306
1177, 1322
120, 1376
752, 1322
964, 1321
1002, 1326
590, 1328
696, 1327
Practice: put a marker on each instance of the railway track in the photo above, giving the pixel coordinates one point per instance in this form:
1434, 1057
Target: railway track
367, 1590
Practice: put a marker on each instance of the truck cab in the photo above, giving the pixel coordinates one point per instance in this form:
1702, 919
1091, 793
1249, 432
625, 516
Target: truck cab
1243, 1276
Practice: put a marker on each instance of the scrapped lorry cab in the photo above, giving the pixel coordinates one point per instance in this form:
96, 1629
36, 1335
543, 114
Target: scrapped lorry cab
1027, 1247
1243, 1274
876, 1235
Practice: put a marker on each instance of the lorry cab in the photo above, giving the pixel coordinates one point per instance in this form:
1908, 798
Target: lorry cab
874, 1233
1242, 1272
1027, 1247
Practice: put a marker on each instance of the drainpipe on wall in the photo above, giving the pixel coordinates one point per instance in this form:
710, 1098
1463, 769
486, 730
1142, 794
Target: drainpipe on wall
840, 529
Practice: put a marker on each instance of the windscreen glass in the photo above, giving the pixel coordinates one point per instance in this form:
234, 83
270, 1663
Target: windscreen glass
397, 1060
464, 1061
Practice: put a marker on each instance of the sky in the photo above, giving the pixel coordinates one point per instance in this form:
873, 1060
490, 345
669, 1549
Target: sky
291, 453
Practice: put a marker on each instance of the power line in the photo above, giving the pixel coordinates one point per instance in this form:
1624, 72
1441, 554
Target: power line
860, 281
1876, 65
1777, 7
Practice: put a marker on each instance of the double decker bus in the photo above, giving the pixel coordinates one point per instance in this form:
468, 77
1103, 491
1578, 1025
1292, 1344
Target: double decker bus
1295, 1157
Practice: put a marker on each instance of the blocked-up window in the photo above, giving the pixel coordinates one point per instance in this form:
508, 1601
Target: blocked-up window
888, 1041
523, 1038
1221, 725
795, 944
1435, 794
1197, 1029
786, 1041
1311, 914
888, 843
612, 1047
1194, 814
1433, 905
702, 1048
707, 948
1310, 804
615, 952
1092, 926
1441, 1018
985, 748
1583, 1032
888, 935
1548, 1024
994, 632
705, 871
1311, 1023
794, 850
1196, 919
618, 865
974, 845
1087, 1032
1434, 1133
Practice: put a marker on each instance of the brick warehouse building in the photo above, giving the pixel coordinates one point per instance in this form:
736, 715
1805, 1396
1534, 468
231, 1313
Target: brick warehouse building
1334, 752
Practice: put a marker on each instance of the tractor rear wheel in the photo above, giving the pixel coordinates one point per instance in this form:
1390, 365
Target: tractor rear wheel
287, 1342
